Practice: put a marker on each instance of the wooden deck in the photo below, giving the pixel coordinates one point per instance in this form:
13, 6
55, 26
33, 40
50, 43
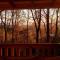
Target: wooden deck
30, 58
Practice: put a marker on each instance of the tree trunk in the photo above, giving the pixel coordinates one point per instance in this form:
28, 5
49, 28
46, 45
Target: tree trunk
37, 25
27, 26
47, 25
27, 32
37, 36
5, 28
1, 26
12, 27
56, 24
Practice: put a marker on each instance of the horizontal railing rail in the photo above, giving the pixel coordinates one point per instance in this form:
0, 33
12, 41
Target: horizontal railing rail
29, 50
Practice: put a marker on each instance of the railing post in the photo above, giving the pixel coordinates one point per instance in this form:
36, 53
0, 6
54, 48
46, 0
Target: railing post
0, 51
54, 51
30, 52
21, 52
27, 51
49, 52
6, 51
24, 51
12, 51
42, 51
18, 51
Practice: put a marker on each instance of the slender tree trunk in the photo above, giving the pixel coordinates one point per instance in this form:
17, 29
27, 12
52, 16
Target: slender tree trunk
47, 25
38, 28
27, 31
56, 23
5, 28
51, 26
37, 36
37, 25
12, 27
27, 26
15, 27
1, 25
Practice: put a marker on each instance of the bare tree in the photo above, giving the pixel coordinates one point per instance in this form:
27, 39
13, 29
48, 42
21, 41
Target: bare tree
37, 20
44, 21
52, 20
46, 16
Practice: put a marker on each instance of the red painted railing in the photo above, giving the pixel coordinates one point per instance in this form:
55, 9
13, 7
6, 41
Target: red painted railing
27, 50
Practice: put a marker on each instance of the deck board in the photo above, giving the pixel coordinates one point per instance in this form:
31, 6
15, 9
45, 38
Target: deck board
30, 58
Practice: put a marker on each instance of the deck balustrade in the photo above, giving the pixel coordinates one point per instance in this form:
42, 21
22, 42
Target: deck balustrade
28, 50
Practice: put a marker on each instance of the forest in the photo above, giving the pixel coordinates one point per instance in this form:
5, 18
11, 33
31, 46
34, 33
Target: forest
30, 26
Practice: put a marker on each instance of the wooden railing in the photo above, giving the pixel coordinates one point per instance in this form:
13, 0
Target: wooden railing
29, 50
